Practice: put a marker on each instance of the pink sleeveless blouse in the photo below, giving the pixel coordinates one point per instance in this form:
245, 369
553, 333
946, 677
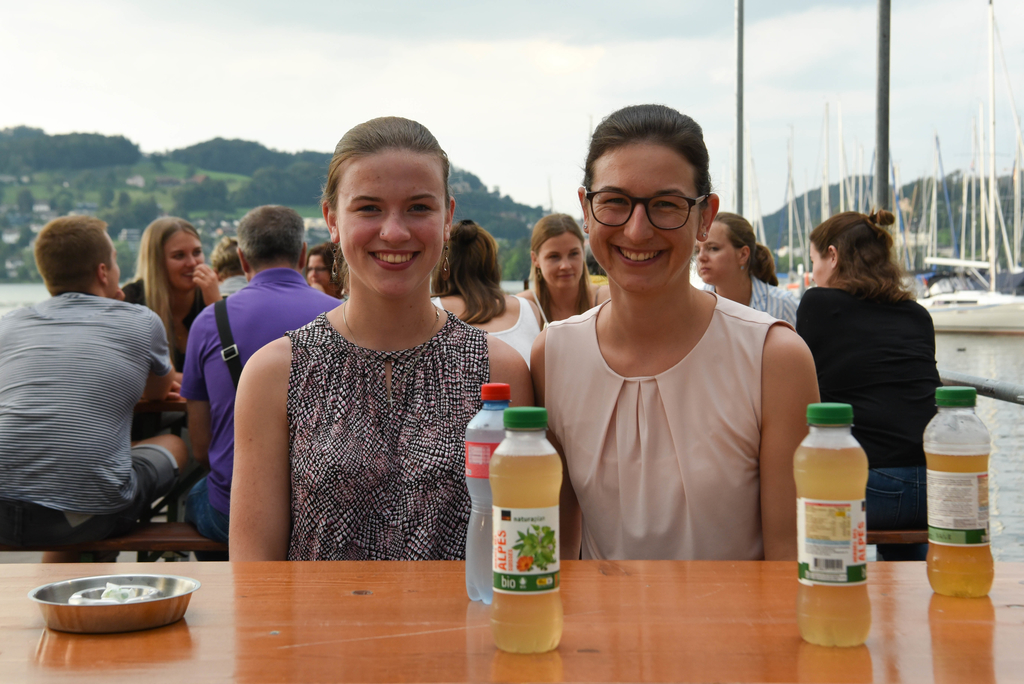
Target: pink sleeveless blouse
666, 466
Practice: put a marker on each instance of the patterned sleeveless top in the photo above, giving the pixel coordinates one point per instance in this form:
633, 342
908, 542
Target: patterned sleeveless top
372, 481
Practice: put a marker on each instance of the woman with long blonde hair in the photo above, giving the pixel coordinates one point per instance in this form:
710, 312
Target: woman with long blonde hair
173, 280
561, 284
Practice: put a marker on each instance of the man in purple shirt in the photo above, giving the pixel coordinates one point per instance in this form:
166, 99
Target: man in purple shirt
277, 299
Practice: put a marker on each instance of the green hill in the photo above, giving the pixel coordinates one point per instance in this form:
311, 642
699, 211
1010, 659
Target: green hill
915, 206
212, 183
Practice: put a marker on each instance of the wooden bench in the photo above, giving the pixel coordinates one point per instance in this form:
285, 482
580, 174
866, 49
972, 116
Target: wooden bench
151, 540
897, 536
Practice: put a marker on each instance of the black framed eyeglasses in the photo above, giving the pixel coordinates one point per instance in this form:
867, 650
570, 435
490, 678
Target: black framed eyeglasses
666, 212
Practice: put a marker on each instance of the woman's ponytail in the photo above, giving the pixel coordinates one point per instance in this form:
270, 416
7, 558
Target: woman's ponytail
762, 265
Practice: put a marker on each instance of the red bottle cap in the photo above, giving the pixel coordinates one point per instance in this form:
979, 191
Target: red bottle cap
496, 391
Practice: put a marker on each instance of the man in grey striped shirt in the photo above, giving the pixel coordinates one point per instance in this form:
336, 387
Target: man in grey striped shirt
71, 371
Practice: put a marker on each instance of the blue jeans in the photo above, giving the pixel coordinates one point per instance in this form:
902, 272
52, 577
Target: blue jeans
898, 500
210, 522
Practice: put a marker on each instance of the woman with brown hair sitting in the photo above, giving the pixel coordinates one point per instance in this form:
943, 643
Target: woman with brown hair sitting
472, 290
874, 348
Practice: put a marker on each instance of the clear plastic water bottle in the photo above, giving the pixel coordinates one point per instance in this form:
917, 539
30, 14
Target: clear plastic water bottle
483, 435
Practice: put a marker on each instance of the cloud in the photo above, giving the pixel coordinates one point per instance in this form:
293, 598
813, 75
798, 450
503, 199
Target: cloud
511, 95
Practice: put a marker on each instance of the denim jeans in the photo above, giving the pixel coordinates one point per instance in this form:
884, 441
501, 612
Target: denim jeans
898, 500
210, 522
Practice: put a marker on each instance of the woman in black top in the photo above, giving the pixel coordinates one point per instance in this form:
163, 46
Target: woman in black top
173, 280
874, 348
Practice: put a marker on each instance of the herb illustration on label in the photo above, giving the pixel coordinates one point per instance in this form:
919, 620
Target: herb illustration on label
536, 547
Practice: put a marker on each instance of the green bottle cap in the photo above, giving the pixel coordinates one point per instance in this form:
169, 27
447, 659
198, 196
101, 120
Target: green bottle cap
829, 414
526, 418
956, 396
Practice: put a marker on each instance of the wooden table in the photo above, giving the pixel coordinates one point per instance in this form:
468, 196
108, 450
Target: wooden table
162, 406
654, 621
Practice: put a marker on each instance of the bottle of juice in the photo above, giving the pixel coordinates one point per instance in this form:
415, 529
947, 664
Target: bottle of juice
483, 435
831, 472
526, 478
957, 445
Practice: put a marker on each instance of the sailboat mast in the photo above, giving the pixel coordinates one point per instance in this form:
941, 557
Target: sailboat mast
842, 159
974, 192
882, 165
993, 245
933, 233
826, 210
739, 107
790, 199
982, 193
962, 254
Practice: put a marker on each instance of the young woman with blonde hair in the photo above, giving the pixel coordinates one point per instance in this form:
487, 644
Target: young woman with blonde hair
739, 268
472, 290
173, 280
349, 432
874, 348
561, 284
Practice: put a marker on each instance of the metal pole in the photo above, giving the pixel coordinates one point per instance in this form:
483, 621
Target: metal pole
996, 389
882, 109
993, 244
739, 107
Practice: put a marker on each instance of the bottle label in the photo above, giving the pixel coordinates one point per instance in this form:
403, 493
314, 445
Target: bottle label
957, 508
832, 542
478, 458
525, 550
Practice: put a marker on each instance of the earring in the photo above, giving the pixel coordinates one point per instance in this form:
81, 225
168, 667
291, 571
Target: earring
585, 227
446, 270
743, 268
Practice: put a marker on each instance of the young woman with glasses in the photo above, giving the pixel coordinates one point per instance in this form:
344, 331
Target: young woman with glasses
349, 432
677, 411
322, 267
561, 284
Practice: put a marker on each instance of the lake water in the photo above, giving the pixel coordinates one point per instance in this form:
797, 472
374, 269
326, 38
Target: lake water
987, 356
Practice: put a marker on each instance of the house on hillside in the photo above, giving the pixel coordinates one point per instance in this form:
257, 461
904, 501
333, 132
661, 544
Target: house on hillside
136, 181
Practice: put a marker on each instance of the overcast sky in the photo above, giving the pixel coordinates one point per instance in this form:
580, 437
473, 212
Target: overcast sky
510, 89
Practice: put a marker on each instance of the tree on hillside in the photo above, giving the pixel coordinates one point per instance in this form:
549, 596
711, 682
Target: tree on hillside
298, 184
210, 194
26, 150
25, 200
124, 200
106, 197
136, 215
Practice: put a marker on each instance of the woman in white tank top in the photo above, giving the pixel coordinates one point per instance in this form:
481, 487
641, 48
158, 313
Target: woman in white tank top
677, 411
472, 290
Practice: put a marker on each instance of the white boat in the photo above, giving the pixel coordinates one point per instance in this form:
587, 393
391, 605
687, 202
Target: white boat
959, 304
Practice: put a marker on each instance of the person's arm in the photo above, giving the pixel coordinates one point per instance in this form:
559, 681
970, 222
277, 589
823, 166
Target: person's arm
788, 385
261, 483
570, 518
158, 386
205, 278
199, 431
162, 377
507, 366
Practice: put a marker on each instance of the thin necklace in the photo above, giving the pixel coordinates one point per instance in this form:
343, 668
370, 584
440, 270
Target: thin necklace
412, 364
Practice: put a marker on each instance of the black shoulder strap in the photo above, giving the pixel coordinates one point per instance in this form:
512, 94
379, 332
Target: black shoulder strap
229, 350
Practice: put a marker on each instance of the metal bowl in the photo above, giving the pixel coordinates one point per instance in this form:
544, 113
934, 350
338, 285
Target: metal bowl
165, 605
